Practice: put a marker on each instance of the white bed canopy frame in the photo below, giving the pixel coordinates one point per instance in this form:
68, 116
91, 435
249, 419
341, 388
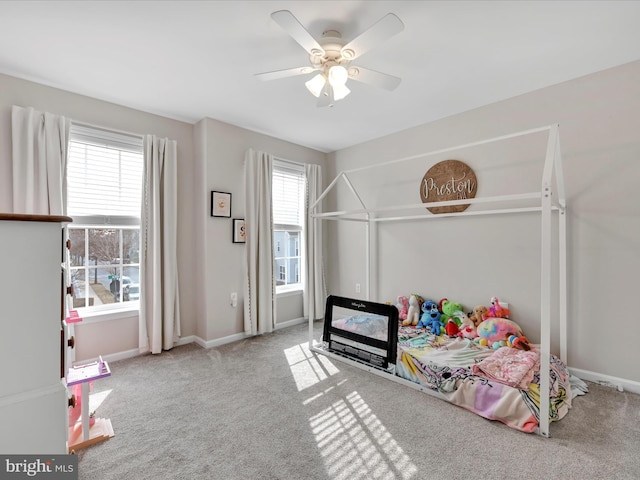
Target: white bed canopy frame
550, 199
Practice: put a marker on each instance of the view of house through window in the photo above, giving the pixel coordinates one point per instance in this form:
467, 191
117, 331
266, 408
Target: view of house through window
288, 189
104, 191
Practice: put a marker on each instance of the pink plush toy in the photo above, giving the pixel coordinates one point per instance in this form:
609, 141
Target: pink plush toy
467, 331
496, 310
403, 307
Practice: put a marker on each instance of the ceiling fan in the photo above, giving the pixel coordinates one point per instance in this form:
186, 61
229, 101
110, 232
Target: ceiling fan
332, 58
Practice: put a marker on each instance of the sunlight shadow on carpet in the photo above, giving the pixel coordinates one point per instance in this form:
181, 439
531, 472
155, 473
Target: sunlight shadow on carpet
308, 369
351, 439
355, 445
96, 399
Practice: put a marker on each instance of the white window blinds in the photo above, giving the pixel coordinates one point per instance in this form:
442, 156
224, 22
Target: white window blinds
104, 173
288, 186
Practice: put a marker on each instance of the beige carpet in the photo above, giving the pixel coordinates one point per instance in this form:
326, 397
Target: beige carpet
265, 408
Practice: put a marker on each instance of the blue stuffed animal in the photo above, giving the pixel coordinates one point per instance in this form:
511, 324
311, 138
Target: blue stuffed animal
430, 317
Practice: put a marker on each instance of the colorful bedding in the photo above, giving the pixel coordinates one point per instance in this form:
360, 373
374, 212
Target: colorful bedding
500, 384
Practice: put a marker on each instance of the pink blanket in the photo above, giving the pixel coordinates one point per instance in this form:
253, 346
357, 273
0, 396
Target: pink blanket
510, 366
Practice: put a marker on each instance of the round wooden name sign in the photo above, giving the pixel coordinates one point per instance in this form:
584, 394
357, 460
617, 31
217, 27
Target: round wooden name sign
448, 180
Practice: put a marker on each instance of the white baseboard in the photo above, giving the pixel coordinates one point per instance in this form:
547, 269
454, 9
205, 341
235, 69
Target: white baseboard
187, 340
216, 342
181, 341
112, 357
620, 384
291, 323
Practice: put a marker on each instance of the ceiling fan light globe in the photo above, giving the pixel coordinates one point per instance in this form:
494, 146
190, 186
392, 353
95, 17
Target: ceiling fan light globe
338, 75
340, 91
316, 84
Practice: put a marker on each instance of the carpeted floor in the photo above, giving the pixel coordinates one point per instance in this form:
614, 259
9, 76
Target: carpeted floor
265, 408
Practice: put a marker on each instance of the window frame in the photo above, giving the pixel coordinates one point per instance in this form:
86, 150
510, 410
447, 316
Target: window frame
297, 169
123, 142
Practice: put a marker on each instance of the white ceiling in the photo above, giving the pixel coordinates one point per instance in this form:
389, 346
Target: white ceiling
193, 59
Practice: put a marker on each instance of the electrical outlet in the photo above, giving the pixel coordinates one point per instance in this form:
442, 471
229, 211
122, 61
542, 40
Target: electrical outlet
234, 299
357, 288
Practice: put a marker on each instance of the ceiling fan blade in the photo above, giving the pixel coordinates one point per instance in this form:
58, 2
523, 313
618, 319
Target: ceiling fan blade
289, 72
378, 79
385, 28
293, 27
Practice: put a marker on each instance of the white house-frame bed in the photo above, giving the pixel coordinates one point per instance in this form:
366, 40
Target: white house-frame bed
549, 202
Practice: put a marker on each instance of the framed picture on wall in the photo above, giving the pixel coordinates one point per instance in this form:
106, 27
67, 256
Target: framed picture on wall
220, 204
239, 231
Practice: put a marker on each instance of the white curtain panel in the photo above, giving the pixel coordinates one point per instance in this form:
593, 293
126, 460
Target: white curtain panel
40, 143
259, 304
159, 326
315, 287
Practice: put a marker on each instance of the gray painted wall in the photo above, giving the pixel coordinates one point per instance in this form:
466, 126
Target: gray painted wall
222, 161
211, 157
469, 260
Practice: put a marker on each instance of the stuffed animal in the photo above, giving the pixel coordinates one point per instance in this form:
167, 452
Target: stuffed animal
403, 307
413, 314
479, 315
436, 326
451, 328
426, 310
518, 342
496, 330
464, 319
449, 310
442, 300
467, 329
430, 314
399, 303
496, 310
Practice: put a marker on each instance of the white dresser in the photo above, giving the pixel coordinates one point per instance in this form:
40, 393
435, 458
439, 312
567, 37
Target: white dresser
33, 394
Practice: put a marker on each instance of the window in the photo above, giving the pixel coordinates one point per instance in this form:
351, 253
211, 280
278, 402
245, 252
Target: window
104, 192
288, 222
282, 273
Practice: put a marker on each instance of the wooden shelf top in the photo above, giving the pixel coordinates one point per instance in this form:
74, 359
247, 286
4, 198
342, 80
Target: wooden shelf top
28, 217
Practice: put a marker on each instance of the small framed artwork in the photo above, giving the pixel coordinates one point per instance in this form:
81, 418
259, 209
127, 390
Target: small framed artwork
220, 204
239, 231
